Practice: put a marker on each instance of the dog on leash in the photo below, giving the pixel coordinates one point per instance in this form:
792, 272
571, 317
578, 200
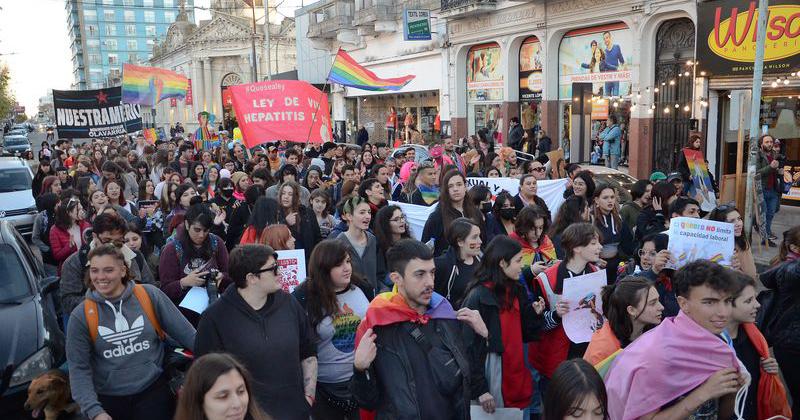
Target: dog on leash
50, 393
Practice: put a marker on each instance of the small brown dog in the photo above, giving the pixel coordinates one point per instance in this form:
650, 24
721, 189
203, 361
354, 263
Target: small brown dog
50, 393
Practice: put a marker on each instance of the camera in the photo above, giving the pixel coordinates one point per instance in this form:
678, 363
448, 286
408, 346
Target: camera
212, 288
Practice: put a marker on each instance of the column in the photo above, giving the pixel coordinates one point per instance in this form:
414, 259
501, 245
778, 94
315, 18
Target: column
207, 82
198, 89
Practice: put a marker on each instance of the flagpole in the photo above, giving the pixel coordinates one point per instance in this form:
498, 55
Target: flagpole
314, 116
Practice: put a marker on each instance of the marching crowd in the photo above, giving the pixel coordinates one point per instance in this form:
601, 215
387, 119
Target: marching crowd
387, 326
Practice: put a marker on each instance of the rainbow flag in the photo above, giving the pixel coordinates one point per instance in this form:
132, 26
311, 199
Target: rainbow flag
347, 72
150, 85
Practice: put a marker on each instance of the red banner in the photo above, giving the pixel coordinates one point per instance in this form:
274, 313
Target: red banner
189, 97
289, 110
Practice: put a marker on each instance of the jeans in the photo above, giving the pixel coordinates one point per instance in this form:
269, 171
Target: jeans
789, 362
772, 200
390, 134
612, 161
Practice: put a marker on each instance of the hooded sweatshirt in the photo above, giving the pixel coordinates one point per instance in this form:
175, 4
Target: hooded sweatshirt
271, 342
127, 356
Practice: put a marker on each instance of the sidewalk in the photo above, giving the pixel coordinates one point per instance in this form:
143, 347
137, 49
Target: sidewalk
787, 217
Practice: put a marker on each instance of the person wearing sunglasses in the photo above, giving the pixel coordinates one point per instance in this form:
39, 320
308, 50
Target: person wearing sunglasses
271, 334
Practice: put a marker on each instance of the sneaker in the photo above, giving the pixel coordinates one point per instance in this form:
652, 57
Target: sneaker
772, 237
769, 244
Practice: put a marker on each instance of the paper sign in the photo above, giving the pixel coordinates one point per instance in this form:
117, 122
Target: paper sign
292, 268
281, 110
695, 239
476, 413
196, 300
585, 314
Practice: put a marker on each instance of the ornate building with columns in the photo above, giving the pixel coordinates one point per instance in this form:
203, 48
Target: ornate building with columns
214, 55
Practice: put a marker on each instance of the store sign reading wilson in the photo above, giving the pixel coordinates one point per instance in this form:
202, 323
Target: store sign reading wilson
727, 37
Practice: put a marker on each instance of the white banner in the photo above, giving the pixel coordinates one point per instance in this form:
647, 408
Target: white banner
550, 190
292, 268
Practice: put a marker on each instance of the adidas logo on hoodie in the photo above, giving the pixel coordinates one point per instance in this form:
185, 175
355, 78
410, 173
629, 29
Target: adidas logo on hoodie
123, 335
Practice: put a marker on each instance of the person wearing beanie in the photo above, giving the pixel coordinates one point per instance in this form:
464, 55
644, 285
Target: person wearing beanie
657, 176
240, 183
224, 173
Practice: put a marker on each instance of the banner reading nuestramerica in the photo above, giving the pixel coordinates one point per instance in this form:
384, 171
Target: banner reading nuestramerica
94, 113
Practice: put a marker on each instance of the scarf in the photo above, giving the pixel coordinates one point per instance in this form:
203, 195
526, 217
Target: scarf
391, 308
429, 194
771, 399
545, 252
663, 365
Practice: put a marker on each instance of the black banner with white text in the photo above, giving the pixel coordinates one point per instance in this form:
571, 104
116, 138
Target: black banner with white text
94, 113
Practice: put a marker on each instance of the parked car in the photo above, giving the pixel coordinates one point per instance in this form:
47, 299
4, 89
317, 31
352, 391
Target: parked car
17, 131
420, 152
622, 181
17, 204
15, 145
31, 341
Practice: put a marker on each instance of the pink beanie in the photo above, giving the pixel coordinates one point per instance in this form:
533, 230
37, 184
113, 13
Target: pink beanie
405, 171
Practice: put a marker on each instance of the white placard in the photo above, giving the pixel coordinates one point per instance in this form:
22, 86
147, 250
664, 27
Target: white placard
196, 299
292, 269
695, 239
476, 413
585, 314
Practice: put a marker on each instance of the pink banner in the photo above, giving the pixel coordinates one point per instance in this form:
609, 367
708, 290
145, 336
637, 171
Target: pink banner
281, 110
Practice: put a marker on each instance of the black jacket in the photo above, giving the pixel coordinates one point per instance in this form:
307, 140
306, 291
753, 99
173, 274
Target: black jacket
389, 386
484, 301
305, 230
648, 222
515, 137
545, 144
271, 343
783, 323
519, 205
239, 218
447, 269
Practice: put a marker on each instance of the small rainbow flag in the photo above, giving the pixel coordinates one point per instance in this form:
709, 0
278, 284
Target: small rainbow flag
150, 85
347, 72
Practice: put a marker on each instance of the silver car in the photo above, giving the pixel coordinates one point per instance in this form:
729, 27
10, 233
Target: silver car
17, 205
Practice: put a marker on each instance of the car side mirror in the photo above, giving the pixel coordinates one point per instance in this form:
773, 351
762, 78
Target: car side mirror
49, 284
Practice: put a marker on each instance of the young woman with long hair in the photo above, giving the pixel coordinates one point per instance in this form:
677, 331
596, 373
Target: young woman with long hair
197, 173
361, 244
301, 220
184, 193
530, 231
217, 387
576, 392
114, 192
278, 237
512, 320
655, 217
615, 234
321, 205
210, 180
264, 213
334, 297
456, 268
44, 170
390, 226
452, 205
135, 240
582, 185
630, 307
51, 184
146, 190
66, 235
185, 261
574, 210
743, 260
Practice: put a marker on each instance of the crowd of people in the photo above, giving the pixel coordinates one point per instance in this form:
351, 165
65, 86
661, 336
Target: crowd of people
384, 325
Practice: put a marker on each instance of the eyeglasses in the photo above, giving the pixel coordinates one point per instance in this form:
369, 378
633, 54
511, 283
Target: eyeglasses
539, 169
397, 219
274, 270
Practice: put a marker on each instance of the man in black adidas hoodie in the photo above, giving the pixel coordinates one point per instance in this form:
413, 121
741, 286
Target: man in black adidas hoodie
267, 330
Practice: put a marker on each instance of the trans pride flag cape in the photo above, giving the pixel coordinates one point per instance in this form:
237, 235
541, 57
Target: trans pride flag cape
391, 308
664, 364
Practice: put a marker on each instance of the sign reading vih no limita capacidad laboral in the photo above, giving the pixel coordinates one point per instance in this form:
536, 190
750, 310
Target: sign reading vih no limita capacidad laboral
417, 25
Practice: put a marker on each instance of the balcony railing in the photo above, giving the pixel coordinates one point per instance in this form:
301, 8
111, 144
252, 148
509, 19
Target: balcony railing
452, 8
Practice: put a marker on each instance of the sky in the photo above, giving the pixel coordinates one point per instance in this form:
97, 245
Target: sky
35, 31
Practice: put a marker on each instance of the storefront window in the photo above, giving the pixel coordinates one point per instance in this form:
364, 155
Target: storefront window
530, 85
484, 89
601, 57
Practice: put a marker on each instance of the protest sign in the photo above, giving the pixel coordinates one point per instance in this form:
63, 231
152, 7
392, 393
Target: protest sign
694, 239
98, 113
281, 110
701, 188
551, 191
585, 314
291, 268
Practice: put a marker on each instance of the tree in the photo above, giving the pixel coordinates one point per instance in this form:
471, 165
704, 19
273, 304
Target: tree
7, 100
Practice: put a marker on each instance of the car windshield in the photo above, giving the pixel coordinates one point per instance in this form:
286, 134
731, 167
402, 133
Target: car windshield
15, 284
15, 141
15, 180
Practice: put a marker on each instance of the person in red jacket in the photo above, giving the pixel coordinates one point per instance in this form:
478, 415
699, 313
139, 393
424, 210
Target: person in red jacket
66, 236
581, 242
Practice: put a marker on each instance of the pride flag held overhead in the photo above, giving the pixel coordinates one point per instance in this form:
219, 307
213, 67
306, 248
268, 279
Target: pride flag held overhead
347, 72
150, 85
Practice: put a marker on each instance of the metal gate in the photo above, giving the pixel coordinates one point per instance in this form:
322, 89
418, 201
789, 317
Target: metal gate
674, 47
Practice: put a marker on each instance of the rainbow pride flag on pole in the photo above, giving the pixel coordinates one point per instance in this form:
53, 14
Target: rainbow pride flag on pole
150, 85
347, 72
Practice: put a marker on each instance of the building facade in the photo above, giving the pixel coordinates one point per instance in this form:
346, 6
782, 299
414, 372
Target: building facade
104, 34
215, 55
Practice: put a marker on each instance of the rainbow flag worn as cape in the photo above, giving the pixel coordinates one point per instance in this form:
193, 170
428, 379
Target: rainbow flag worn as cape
429, 194
347, 72
150, 85
391, 308
546, 250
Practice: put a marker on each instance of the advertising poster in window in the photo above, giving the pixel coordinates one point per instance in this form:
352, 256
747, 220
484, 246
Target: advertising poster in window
530, 70
601, 55
484, 73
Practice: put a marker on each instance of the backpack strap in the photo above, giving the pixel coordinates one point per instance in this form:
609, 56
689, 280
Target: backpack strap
92, 321
147, 307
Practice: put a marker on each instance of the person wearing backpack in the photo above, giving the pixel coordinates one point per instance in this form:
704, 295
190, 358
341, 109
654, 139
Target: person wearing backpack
115, 343
107, 228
